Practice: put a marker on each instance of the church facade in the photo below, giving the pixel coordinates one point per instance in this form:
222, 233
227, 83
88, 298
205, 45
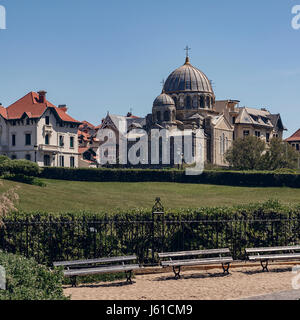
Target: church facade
188, 102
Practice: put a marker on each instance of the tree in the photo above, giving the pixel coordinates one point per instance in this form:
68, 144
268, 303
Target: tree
251, 153
280, 155
246, 153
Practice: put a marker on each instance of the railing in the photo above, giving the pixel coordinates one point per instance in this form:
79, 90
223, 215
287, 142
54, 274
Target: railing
48, 147
57, 239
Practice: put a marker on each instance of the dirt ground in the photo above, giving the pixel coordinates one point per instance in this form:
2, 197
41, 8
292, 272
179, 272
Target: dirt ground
243, 282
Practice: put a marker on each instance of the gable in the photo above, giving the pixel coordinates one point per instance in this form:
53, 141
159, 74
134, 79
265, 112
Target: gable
223, 124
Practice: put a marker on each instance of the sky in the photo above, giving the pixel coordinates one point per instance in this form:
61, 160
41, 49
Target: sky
98, 56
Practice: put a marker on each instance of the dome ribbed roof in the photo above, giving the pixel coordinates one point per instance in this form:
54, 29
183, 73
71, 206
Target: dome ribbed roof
163, 100
187, 78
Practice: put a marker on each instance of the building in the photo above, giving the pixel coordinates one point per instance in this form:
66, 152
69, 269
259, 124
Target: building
188, 101
294, 140
33, 128
88, 144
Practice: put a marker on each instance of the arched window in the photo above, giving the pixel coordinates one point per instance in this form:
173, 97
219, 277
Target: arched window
174, 115
166, 116
202, 102
188, 102
195, 102
158, 116
208, 101
175, 101
221, 146
211, 101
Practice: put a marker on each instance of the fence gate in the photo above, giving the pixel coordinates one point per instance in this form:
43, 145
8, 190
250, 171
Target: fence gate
158, 228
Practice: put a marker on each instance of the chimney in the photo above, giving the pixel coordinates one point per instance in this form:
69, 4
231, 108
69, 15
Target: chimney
63, 107
42, 96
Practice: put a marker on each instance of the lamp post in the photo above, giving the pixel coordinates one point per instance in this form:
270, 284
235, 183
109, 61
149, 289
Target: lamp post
35, 147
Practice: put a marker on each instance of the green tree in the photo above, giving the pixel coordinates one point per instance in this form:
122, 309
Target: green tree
280, 155
246, 153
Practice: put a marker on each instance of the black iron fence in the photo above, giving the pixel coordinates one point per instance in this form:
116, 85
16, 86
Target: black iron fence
54, 239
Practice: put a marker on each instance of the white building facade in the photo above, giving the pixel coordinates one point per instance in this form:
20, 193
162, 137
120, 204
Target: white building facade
34, 129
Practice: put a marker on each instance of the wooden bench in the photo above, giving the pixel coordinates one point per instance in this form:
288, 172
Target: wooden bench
176, 260
264, 255
97, 266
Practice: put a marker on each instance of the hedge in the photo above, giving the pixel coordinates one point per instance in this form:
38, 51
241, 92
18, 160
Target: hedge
24, 179
218, 177
27, 280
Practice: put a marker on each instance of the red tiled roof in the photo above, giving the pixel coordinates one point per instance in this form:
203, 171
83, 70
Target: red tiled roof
294, 137
134, 117
3, 112
87, 123
82, 150
31, 106
85, 135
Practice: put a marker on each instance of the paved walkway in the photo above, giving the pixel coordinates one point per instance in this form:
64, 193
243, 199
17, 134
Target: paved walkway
284, 295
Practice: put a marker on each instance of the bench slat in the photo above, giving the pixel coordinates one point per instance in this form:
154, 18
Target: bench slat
271, 249
275, 257
93, 261
192, 253
196, 262
118, 268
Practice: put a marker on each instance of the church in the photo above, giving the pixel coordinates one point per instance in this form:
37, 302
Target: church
188, 102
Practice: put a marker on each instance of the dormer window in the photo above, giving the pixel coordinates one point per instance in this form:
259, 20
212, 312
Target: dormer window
27, 121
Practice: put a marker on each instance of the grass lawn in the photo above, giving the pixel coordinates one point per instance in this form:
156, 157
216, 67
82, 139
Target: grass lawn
63, 196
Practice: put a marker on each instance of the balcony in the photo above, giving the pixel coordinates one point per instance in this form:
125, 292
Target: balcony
48, 129
48, 148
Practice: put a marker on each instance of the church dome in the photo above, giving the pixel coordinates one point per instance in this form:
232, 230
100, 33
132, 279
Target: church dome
163, 100
187, 79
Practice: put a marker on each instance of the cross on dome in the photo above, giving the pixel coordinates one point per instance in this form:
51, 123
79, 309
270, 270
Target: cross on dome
187, 49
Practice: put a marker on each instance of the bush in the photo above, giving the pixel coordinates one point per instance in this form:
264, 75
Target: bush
219, 177
27, 280
24, 167
24, 179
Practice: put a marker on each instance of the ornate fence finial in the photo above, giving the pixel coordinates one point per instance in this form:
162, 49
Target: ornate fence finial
158, 207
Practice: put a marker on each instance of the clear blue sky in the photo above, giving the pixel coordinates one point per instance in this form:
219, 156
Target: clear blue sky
97, 55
